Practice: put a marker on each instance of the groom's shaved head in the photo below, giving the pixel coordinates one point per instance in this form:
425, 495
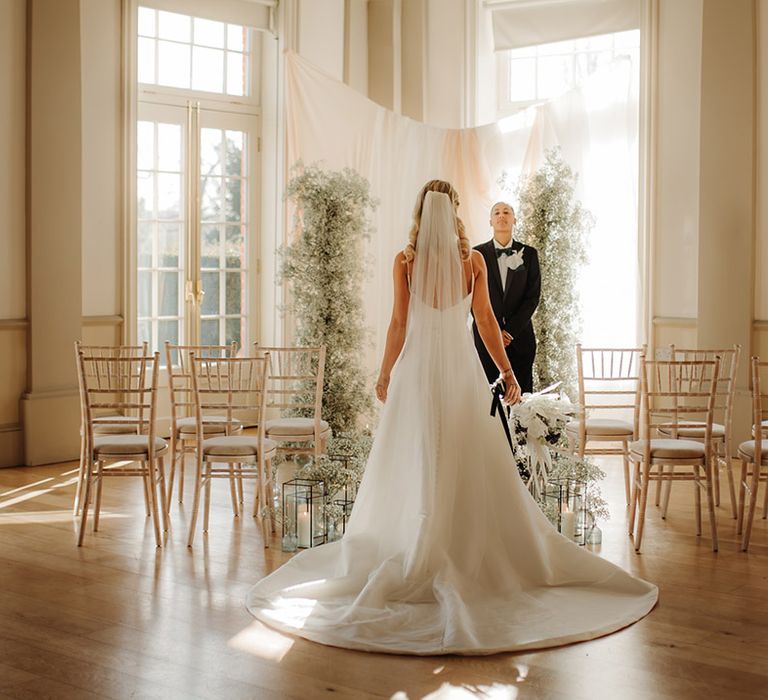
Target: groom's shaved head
503, 204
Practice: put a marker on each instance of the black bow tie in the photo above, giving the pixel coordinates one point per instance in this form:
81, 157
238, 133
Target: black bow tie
504, 251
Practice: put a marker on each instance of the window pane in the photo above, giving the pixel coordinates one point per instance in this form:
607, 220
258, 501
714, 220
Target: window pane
168, 293
207, 69
210, 306
169, 147
144, 256
235, 162
168, 196
145, 332
236, 73
145, 195
168, 245
235, 37
234, 299
557, 48
146, 22
173, 69
234, 200
174, 26
167, 330
209, 33
627, 40
145, 145
235, 331
522, 79
210, 208
210, 250
210, 151
209, 331
146, 57
234, 248
145, 293
555, 75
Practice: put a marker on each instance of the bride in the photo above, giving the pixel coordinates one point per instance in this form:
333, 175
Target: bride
445, 551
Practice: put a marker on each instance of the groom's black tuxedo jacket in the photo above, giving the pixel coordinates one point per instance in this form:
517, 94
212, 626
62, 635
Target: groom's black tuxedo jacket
513, 308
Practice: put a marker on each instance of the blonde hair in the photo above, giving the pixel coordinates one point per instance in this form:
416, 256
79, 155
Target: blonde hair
445, 188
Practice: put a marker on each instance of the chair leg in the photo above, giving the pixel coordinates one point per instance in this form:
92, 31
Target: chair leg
233, 490
172, 470
754, 485
667, 492
716, 479
99, 486
634, 497
643, 505
625, 460
207, 505
263, 498
80, 476
731, 486
708, 469
165, 493
85, 502
147, 509
697, 485
742, 497
151, 467
240, 496
765, 496
195, 503
657, 500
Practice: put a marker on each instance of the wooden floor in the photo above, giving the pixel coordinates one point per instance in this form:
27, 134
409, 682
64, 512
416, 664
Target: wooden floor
119, 618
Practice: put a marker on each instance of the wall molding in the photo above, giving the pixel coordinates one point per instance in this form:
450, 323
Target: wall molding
102, 320
14, 324
676, 321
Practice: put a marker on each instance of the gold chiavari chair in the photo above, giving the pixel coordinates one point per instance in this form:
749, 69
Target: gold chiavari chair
235, 388
609, 384
676, 395
109, 424
126, 386
183, 422
722, 427
754, 455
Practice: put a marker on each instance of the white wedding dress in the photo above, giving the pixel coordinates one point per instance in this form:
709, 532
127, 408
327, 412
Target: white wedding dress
446, 551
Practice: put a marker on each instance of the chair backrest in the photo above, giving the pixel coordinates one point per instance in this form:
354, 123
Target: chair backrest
678, 394
609, 379
179, 365
759, 403
126, 386
296, 379
726, 384
231, 387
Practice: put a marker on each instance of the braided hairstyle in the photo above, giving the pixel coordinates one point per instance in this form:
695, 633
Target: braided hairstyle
445, 188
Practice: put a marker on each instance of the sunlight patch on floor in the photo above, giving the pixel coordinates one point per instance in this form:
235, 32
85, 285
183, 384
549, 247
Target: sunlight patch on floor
261, 641
48, 516
497, 691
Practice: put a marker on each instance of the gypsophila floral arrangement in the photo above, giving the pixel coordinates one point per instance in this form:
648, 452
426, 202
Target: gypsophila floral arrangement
324, 265
341, 469
557, 226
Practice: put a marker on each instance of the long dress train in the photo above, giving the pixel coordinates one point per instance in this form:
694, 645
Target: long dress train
446, 551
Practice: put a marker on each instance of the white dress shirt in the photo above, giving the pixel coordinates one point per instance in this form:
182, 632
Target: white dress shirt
501, 260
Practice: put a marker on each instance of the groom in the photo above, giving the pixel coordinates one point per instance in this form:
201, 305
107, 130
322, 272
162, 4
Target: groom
514, 286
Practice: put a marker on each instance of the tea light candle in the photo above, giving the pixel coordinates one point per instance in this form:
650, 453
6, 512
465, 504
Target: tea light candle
305, 536
568, 523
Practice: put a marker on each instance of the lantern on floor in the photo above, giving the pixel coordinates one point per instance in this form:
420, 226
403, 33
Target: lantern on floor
565, 504
304, 521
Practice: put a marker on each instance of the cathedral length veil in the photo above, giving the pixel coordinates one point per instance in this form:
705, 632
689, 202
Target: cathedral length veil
445, 551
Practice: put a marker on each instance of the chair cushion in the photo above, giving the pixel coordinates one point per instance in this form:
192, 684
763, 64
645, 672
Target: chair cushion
747, 449
119, 445
115, 425
764, 426
603, 427
693, 429
211, 425
294, 427
669, 449
236, 446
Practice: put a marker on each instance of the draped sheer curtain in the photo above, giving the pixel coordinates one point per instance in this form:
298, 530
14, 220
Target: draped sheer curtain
595, 125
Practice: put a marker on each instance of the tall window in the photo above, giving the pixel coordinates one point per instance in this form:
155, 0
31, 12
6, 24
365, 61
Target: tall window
586, 94
196, 165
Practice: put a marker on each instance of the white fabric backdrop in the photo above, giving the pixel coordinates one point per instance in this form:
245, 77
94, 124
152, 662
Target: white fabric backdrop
595, 125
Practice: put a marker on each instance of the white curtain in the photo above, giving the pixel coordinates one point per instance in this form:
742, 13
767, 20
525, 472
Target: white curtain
595, 126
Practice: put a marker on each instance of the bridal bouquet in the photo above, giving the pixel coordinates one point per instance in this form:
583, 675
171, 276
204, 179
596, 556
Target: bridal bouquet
538, 424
